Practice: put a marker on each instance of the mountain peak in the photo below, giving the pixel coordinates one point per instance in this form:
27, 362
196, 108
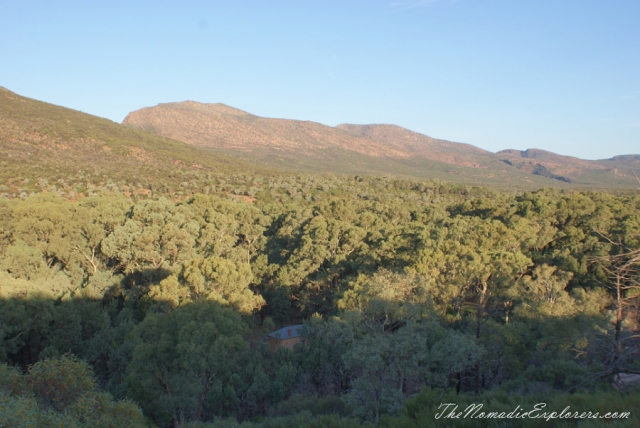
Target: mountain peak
220, 126
206, 107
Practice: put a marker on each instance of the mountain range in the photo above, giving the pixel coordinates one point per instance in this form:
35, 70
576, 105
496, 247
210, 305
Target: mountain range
386, 149
38, 139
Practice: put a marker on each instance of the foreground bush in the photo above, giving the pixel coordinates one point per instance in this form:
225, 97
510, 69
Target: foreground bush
61, 392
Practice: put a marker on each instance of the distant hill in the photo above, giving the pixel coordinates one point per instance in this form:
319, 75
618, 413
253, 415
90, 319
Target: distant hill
171, 147
615, 172
45, 146
223, 127
313, 147
419, 145
370, 149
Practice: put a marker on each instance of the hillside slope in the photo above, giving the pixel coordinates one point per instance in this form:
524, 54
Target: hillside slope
171, 147
223, 127
45, 146
423, 146
313, 147
373, 149
615, 172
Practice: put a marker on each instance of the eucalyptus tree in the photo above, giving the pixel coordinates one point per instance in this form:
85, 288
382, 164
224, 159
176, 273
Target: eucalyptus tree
156, 234
184, 362
620, 273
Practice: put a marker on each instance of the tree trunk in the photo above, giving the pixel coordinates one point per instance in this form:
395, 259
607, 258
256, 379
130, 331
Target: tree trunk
479, 316
174, 417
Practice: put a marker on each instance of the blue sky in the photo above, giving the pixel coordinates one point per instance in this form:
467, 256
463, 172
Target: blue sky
558, 75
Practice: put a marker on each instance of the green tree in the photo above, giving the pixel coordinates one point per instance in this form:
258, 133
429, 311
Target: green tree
184, 362
61, 392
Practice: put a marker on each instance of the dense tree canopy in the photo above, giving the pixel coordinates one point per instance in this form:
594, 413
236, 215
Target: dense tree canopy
403, 286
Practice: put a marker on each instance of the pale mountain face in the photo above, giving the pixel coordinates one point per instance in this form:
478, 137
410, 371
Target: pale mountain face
375, 148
